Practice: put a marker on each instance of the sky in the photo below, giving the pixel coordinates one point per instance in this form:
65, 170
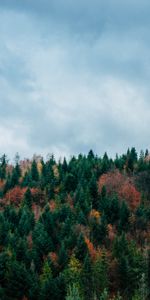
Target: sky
74, 76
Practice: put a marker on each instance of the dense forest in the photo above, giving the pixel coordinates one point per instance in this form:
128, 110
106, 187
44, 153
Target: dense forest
75, 229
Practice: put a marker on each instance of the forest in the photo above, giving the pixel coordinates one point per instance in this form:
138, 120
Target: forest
75, 229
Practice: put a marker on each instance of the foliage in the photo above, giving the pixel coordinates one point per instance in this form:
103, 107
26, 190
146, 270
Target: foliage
75, 229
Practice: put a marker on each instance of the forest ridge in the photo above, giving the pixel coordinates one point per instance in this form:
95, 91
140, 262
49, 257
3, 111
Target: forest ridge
77, 229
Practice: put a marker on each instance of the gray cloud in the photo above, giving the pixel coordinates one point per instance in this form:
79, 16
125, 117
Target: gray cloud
74, 76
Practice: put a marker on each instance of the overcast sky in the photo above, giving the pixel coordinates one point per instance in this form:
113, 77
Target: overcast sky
74, 75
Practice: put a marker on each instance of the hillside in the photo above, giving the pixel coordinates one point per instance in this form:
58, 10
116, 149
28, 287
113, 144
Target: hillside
77, 229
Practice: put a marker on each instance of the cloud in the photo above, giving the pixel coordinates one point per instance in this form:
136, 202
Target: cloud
74, 77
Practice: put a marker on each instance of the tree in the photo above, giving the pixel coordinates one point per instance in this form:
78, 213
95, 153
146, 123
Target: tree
42, 241
100, 275
131, 159
28, 198
46, 273
47, 219
34, 172
87, 279
90, 155
3, 165
18, 281
26, 221
73, 271
99, 231
70, 183
93, 188
114, 208
148, 271
14, 179
73, 293
62, 257
104, 295
81, 248
124, 217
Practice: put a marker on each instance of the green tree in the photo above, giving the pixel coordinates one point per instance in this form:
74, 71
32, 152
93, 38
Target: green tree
104, 295
3, 165
100, 275
81, 248
87, 279
62, 257
34, 171
26, 221
28, 198
124, 217
93, 188
18, 281
42, 241
73, 293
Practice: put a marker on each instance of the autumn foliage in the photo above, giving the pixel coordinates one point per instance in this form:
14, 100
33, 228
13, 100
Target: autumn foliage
122, 185
91, 248
15, 195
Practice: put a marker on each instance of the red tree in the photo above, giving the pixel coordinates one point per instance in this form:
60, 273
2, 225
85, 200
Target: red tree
122, 185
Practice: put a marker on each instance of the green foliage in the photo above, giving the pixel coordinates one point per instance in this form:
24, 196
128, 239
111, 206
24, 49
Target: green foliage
34, 172
42, 241
104, 295
87, 279
124, 217
66, 237
3, 165
28, 198
100, 274
73, 293
81, 248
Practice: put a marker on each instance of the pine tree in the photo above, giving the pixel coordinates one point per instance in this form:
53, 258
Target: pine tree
93, 188
42, 241
73, 293
87, 279
3, 165
124, 217
100, 275
34, 172
104, 295
28, 198
81, 248
62, 257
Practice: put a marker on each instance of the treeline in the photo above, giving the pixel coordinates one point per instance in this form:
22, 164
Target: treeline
77, 229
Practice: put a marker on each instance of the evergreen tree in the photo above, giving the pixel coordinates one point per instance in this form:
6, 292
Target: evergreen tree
93, 188
28, 198
73, 293
34, 172
114, 208
100, 275
26, 221
62, 257
104, 295
3, 165
81, 248
18, 281
124, 217
87, 279
42, 241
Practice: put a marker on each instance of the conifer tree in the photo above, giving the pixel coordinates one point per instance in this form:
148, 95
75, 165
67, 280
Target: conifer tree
34, 172
73, 293
28, 198
100, 275
81, 248
87, 279
3, 165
